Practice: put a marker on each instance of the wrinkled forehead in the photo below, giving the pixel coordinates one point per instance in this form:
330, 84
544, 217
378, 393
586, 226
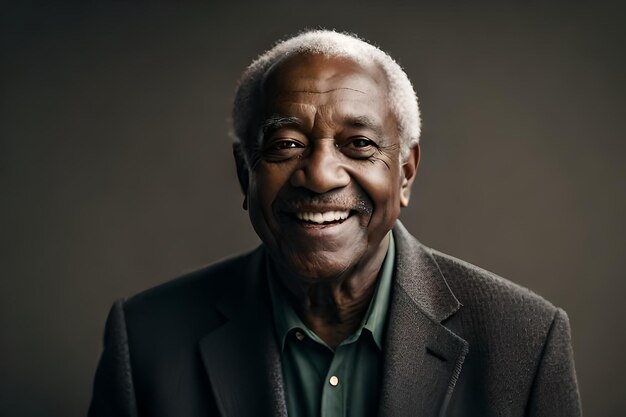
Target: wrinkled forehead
318, 74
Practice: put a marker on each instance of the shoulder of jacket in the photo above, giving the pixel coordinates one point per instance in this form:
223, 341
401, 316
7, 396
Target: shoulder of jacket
202, 287
473, 284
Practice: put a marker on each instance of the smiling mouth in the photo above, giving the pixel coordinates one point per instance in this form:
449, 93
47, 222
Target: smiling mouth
331, 217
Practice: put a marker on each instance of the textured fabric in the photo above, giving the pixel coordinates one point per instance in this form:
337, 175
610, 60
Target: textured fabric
113, 393
460, 342
309, 364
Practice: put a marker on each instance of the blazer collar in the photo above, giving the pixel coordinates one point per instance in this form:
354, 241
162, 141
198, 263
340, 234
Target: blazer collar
423, 359
418, 274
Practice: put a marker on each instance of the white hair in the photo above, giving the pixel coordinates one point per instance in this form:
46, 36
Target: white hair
402, 99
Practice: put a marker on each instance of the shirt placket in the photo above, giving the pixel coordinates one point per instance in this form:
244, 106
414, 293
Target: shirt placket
335, 385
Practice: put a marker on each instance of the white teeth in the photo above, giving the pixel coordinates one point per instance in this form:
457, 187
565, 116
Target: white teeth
327, 216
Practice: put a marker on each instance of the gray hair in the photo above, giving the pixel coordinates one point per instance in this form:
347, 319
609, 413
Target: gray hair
402, 99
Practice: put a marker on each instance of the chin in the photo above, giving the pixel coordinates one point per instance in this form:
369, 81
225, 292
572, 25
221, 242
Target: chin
315, 267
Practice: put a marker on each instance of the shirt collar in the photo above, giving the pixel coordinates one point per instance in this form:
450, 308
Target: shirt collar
286, 319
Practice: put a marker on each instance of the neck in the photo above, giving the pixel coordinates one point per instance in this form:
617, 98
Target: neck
334, 308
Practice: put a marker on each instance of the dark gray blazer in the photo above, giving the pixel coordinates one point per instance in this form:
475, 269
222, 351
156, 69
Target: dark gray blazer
460, 341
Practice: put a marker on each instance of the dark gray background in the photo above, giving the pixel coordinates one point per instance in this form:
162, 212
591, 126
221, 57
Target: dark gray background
116, 171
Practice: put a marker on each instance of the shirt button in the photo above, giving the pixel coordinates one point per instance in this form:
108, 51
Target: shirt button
299, 336
334, 381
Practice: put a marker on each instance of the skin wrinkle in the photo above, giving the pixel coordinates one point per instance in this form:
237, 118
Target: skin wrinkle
328, 91
276, 122
402, 100
321, 152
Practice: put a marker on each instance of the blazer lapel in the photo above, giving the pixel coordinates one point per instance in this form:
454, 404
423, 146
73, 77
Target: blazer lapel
423, 359
241, 356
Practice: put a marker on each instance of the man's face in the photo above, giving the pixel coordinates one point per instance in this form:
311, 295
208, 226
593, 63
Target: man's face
327, 184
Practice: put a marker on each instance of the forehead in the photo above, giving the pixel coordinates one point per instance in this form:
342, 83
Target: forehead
316, 82
317, 71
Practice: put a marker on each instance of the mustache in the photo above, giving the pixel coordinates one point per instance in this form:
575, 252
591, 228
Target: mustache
299, 199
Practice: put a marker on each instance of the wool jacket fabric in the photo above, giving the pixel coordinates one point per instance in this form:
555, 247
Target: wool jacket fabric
459, 342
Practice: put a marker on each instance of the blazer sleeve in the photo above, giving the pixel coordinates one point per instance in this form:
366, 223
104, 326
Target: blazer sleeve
113, 391
555, 390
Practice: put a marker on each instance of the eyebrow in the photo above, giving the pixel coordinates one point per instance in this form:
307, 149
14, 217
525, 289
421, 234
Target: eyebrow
362, 121
277, 122
351, 121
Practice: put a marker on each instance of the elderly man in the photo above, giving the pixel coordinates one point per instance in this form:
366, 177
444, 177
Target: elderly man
340, 312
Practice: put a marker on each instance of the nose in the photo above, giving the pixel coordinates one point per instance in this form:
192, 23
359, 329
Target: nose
321, 169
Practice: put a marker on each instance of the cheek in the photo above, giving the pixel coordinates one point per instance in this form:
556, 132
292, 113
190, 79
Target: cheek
382, 182
265, 184
382, 185
260, 197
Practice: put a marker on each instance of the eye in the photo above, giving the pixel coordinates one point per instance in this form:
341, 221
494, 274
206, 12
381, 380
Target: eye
359, 147
361, 142
282, 149
286, 144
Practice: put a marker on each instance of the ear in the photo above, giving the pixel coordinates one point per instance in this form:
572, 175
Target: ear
409, 169
242, 171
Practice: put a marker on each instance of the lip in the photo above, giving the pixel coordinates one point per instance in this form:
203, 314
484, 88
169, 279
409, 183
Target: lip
287, 206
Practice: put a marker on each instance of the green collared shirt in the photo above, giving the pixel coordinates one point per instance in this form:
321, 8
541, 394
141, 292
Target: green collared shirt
341, 383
